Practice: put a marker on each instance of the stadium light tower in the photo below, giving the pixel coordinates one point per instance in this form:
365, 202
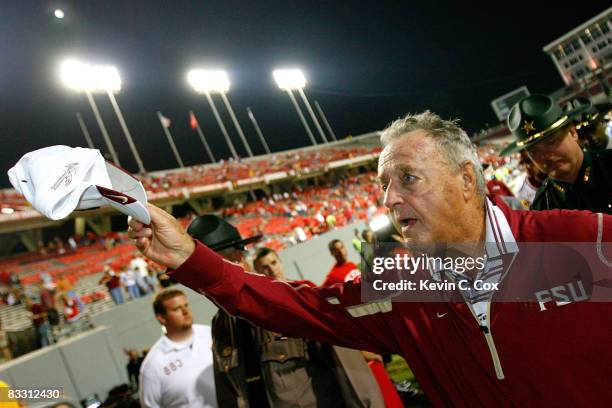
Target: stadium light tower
100, 79
206, 82
294, 79
75, 76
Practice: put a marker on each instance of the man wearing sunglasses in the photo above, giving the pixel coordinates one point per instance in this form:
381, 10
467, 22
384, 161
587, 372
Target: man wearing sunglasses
577, 179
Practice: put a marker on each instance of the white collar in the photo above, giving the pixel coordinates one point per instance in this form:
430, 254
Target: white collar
498, 236
168, 345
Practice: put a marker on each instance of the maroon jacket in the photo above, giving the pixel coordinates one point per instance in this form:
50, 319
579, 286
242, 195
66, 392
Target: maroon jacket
559, 356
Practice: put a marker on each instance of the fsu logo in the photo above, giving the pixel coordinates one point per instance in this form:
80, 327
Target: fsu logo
66, 177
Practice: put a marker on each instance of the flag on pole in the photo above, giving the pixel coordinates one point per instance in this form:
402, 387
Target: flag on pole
193, 121
165, 121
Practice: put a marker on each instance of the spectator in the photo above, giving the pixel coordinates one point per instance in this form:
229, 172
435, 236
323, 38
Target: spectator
368, 236
73, 244
343, 270
356, 240
47, 299
527, 184
133, 368
129, 279
178, 370
113, 284
63, 284
14, 281
139, 265
72, 312
151, 281
39, 322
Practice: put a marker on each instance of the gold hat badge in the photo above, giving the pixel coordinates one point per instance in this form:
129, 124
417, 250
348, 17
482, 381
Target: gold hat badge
528, 127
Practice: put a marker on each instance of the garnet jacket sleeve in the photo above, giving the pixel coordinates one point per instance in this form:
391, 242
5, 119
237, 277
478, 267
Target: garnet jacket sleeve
333, 314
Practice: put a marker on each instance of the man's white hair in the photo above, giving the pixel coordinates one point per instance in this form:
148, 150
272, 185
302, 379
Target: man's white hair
452, 141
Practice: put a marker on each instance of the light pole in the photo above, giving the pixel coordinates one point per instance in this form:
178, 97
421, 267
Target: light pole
126, 131
206, 81
99, 79
236, 124
312, 114
84, 130
329, 129
258, 130
76, 76
288, 80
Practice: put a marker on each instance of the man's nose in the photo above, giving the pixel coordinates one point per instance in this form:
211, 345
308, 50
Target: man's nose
538, 154
392, 197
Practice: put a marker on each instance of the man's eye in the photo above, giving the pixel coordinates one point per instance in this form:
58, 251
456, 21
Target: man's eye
383, 187
409, 178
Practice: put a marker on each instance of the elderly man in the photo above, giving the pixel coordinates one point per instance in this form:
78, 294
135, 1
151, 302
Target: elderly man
466, 353
577, 179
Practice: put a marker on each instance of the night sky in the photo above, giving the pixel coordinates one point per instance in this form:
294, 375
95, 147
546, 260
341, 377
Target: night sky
366, 63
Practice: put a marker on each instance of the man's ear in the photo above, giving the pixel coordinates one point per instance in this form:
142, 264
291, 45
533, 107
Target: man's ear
161, 319
468, 176
574, 132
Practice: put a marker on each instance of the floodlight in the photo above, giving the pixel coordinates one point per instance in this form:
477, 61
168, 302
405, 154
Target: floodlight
59, 13
288, 79
83, 77
205, 80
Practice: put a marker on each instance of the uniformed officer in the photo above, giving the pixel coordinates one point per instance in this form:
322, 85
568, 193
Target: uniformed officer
593, 127
577, 179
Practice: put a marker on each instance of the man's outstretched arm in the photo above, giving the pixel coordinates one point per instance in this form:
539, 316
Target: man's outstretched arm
334, 314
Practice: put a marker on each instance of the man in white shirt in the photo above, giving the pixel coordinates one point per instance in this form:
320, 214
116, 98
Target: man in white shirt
178, 370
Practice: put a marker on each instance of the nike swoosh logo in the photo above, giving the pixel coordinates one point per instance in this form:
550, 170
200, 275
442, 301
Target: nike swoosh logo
441, 315
121, 199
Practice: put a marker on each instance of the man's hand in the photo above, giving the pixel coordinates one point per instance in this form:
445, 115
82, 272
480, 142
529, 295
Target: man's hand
164, 241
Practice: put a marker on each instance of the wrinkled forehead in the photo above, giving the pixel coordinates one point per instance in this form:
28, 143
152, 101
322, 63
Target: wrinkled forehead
410, 151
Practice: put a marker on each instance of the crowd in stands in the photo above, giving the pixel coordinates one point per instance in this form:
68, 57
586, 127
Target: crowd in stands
171, 182
43, 284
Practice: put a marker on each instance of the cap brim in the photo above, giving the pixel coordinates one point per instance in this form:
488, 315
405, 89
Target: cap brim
126, 204
124, 182
239, 242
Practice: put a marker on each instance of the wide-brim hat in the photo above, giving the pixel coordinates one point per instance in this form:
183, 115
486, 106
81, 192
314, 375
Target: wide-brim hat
536, 117
217, 234
592, 114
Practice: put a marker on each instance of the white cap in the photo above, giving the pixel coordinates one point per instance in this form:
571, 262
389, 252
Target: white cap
57, 180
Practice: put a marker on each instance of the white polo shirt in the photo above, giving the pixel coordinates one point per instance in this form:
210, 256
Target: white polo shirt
179, 374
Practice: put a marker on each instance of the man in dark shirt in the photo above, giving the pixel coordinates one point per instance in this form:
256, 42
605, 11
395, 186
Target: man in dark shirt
39, 321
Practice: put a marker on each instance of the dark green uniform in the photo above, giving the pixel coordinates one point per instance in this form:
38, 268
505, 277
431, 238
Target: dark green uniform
592, 190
